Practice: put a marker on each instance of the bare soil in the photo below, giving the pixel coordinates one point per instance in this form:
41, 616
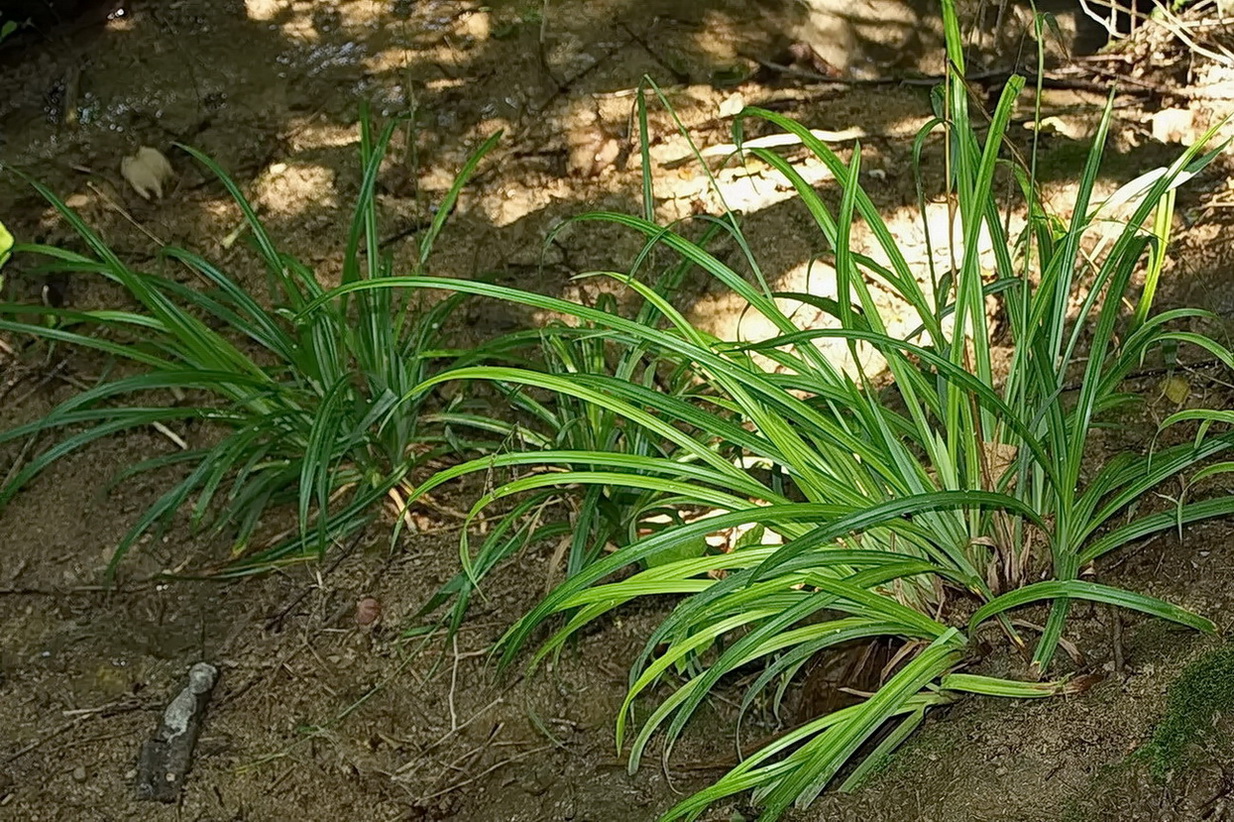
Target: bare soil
318, 717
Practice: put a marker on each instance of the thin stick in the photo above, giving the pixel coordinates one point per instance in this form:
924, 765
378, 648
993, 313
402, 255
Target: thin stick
408, 766
928, 80
79, 716
21, 459
171, 435
484, 773
453, 684
1116, 639
43, 740
123, 212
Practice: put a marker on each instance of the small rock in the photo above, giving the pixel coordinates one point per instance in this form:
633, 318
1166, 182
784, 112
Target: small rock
79, 773
368, 611
590, 154
732, 105
608, 153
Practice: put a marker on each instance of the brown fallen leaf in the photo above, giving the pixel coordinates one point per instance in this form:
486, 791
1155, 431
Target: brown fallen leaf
805, 57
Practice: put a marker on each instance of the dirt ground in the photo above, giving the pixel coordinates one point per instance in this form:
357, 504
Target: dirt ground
317, 717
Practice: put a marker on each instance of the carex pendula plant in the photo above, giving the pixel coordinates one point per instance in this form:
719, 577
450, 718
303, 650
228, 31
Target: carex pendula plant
315, 404
920, 522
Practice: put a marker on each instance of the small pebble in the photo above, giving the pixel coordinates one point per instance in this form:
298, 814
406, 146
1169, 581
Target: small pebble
368, 611
79, 773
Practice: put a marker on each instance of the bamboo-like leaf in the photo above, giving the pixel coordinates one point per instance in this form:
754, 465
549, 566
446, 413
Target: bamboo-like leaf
996, 686
446, 207
1080, 589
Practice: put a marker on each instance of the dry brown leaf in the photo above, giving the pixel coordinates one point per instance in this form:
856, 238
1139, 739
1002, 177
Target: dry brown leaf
999, 456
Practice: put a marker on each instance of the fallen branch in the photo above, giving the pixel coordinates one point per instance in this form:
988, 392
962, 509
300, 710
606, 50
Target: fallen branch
165, 759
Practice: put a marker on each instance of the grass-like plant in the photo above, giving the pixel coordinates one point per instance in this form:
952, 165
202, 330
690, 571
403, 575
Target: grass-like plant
600, 516
920, 523
925, 522
6, 247
312, 403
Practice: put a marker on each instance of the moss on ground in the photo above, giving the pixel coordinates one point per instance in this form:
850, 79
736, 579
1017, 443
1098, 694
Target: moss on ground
1203, 691
1186, 736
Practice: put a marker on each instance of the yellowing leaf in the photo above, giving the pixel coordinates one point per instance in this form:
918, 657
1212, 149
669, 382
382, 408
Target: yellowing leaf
1000, 456
1176, 389
6, 244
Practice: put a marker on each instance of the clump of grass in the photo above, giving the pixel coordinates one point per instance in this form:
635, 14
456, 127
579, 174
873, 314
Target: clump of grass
916, 525
1203, 692
598, 516
919, 524
320, 403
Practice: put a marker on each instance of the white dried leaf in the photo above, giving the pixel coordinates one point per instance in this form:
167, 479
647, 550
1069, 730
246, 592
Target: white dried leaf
146, 171
1175, 125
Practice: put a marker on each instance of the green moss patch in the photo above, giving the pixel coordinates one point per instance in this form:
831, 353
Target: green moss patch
1203, 692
